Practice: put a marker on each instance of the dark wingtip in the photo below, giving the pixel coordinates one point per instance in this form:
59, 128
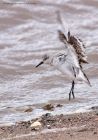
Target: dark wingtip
62, 36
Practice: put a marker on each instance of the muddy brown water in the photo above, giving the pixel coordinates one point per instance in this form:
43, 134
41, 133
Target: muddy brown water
27, 31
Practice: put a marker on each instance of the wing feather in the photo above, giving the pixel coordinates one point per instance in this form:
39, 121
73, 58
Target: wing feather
75, 42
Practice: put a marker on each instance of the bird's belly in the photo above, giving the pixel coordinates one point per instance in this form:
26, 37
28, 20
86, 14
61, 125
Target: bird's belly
67, 71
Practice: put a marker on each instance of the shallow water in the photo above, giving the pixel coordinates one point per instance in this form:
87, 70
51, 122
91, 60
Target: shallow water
27, 31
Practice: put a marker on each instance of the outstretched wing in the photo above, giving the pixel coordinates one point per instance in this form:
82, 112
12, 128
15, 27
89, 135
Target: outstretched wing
71, 53
61, 20
75, 42
79, 48
76, 52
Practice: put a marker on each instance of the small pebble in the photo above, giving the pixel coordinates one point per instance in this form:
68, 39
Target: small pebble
59, 105
95, 133
36, 125
28, 110
48, 126
48, 107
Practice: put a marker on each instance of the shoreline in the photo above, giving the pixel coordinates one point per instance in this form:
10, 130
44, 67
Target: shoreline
60, 127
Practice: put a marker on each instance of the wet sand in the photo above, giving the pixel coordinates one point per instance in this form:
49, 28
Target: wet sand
81, 126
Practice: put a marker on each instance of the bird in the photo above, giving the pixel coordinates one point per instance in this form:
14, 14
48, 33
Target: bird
76, 57
69, 62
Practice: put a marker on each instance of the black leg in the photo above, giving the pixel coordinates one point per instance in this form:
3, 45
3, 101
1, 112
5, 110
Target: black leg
73, 83
72, 90
69, 95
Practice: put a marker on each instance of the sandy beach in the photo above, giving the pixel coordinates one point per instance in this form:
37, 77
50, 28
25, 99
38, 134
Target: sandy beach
82, 126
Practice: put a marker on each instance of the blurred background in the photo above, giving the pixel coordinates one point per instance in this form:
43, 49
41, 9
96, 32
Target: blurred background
28, 29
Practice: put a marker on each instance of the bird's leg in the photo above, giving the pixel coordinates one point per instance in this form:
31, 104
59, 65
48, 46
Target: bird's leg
73, 83
70, 93
72, 90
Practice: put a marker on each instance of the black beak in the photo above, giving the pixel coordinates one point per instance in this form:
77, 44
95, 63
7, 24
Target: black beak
40, 64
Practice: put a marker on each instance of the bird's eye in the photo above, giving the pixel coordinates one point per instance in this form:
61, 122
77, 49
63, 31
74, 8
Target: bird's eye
60, 59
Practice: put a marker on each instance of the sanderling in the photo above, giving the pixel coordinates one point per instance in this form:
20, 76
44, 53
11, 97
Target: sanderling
69, 63
76, 56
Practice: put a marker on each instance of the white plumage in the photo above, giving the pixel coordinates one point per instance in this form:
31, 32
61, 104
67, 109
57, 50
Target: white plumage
70, 62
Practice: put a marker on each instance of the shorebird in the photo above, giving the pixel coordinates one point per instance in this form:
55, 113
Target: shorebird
69, 62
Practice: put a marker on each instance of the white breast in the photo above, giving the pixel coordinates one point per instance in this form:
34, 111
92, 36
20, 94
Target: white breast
63, 66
